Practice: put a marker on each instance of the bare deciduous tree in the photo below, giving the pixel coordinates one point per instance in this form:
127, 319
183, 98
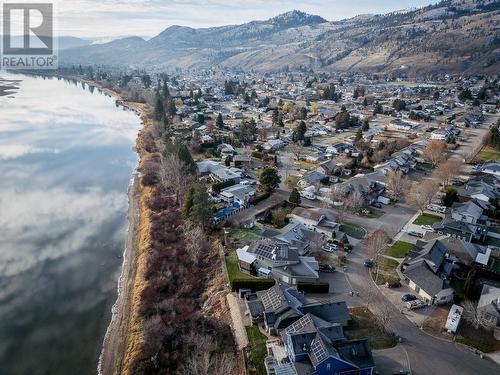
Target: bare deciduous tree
375, 244
475, 317
447, 170
434, 152
195, 241
174, 176
354, 201
420, 194
337, 201
296, 150
397, 184
383, 315
203, 363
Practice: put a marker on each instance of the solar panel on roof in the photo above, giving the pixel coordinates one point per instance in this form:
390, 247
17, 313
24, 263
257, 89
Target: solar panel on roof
271, 300
299, 324
319, 350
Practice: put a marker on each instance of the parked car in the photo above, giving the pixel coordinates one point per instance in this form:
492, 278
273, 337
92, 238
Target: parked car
329, 248
326, 268
415, 304
368, 263
456, 183
408, 297
426, 227
394, 284
416, 234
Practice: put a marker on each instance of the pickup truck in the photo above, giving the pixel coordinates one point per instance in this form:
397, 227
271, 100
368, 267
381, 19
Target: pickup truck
415, 304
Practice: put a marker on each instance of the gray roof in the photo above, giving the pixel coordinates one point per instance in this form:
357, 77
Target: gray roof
274, 251
334, 312
469, 208
422, 275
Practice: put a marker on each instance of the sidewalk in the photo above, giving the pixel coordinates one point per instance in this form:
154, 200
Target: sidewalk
240, 333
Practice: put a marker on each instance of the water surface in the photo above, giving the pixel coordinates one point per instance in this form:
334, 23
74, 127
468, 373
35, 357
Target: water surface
66, 159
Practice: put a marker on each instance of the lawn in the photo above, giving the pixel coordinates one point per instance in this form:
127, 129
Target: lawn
246, 235
427, 219
232, 268
399, 249
258, 350
386, 271
353, 230
364, 326
489, 153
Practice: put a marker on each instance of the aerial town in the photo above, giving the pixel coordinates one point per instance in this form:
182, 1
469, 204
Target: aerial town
353, 212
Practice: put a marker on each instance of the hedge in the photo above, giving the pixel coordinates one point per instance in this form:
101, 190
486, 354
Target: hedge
260, 197
254, 284
313, 287
222, 185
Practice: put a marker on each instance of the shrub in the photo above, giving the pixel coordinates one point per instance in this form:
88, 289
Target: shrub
254, 284
222, 185
313, 287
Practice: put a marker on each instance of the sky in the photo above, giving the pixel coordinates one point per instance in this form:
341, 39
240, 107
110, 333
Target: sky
147, 18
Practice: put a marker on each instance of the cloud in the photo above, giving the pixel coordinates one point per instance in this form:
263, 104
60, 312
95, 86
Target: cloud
14, 151
38, 225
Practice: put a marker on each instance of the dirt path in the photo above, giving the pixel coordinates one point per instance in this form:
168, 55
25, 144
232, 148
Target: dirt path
114, 343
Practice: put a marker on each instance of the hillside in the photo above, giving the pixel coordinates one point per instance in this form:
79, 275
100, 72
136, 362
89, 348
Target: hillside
451, 36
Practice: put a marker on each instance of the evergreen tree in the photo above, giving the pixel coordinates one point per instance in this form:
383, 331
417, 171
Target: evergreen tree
294, 197
219, 122
201, 210
269, 179
170, 109
366, 125
159, 111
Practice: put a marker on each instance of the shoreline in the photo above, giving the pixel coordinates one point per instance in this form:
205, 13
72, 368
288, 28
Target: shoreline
116, 341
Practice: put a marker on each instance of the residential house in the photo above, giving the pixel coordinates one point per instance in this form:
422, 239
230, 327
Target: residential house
467, 253
468, 212
240, 193
402, 125
273, 145
489, 306
281, 261
217, 172
458, 229
482, 188
315, 219
316, 347
281, 306
426, 271
490, 168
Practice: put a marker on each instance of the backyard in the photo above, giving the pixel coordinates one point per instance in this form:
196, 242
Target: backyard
246, 236
364, 326
399, 249
257, 348
233, 270
427, 219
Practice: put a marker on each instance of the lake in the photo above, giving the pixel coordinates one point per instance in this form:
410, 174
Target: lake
66, 161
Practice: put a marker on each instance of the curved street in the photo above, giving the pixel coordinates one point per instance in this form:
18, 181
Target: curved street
426, 354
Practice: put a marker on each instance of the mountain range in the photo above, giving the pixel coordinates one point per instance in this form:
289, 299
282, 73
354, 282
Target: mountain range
452, 36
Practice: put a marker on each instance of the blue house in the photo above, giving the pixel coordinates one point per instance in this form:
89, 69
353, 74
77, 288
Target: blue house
317, 347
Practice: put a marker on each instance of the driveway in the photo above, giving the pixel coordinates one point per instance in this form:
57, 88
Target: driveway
391, 361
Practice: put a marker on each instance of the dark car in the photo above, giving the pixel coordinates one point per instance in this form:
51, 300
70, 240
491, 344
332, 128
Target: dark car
368, 263
416, 234
457, 183
326, 268
408, 298
394, 284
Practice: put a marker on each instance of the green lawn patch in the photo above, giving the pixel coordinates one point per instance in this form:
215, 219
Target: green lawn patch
427, 219
239, 280
399, 249
386, 271
353, 230
492, 241
246, 236
258, 350
364, 326
489, 153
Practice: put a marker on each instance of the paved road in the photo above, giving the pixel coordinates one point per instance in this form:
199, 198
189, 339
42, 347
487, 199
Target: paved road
427, 355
